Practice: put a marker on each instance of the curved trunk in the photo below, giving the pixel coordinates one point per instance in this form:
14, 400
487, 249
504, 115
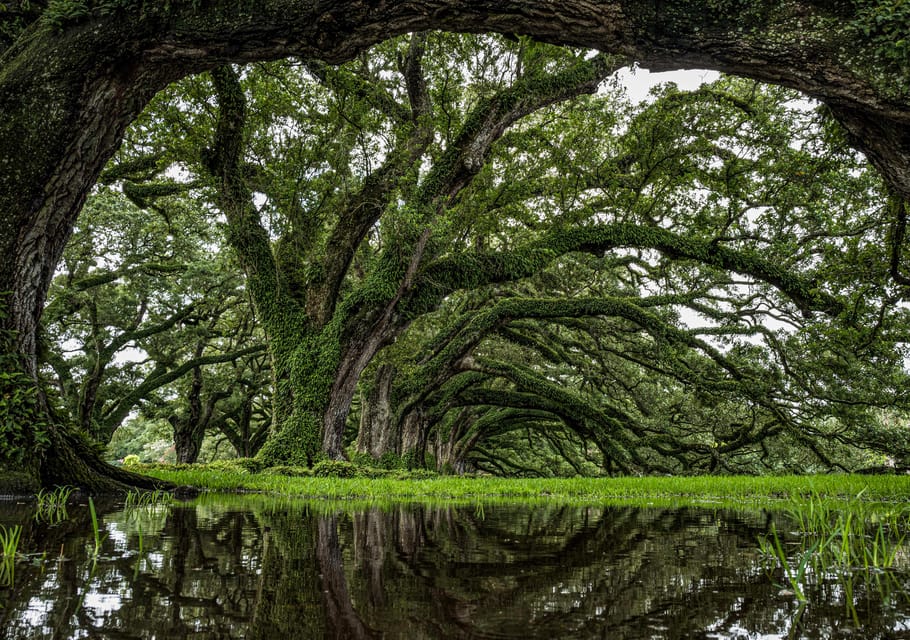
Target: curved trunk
67, 91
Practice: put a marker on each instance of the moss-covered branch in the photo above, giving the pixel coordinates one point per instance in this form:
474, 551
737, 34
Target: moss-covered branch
246, 234
360, 212
487, 122
472, 269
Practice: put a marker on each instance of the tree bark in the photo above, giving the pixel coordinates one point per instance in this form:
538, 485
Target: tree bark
68, 94
412, 444
375, 437
190, 430
68, 91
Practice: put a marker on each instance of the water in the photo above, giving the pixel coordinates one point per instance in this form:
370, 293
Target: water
255, 568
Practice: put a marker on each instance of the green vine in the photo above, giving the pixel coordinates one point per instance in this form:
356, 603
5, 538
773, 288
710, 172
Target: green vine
885, 25
22, 430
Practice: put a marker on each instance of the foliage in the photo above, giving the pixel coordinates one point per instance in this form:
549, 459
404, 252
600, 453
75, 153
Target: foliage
348, 232
703, 289
23, 430
886, 25
728, 367
334, 469
149, 440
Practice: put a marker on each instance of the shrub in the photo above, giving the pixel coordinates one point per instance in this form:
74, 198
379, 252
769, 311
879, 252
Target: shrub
334, 469
249, 464
374, 472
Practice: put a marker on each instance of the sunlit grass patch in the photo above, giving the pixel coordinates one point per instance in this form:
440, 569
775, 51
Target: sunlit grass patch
773, 490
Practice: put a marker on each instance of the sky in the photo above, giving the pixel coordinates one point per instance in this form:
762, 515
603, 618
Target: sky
638, 82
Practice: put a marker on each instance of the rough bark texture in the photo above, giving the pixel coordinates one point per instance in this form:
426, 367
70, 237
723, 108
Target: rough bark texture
71, 461
190, 429
375, 437
67, 95
413, 441
68, 90
342, 394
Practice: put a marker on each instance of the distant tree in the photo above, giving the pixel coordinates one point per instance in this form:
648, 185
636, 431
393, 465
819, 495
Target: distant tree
74, 73
749, 378
139, 303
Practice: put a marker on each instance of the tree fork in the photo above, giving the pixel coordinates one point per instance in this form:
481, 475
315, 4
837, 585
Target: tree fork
69, 87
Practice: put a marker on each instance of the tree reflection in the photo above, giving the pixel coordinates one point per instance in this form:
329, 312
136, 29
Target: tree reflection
269, 570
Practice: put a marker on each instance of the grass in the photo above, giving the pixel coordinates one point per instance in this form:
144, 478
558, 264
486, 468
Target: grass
51, 507
96, 530
9, 543
700, 490
855, 542
139, 500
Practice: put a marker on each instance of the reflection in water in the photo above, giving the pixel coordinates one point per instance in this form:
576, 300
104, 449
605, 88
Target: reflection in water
267, 570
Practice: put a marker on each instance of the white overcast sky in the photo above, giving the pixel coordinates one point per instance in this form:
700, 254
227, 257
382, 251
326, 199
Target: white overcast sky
638, 82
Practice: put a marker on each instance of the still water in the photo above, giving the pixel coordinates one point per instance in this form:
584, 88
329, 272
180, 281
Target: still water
255, 568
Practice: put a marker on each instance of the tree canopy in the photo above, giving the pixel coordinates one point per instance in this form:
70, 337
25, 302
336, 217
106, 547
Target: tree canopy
707, 288
75, 73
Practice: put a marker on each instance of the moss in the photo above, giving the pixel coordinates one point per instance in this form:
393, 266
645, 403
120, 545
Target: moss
296, 442
252, 465
62, 13
391, 460
17, 483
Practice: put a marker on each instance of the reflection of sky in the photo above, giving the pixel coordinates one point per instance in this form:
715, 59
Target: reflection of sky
522, 572
99, 604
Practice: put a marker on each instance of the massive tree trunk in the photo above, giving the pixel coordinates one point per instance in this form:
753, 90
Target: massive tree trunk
70, 86
375, 436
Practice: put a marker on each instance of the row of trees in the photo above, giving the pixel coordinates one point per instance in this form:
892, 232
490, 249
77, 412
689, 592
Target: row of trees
75, 73
535, 277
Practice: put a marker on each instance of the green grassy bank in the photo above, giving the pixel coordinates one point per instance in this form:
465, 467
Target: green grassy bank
678, 490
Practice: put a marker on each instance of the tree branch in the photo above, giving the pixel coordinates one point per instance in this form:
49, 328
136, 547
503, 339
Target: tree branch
116, 414
473, 269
